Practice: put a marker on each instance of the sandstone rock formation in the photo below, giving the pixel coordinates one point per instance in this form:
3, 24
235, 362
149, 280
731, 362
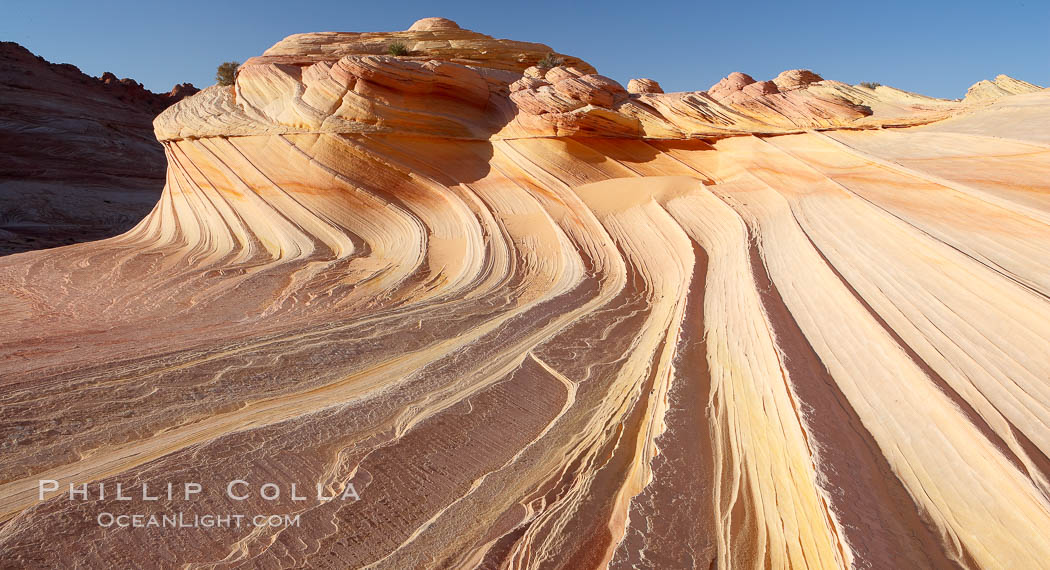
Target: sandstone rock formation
80, 161
1001, 86
644, 86
535, 319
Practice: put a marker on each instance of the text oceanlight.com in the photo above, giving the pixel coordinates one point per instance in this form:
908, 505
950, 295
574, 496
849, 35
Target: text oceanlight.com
182, 520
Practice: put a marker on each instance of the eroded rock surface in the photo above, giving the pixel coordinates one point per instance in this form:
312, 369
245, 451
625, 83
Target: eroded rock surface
540, 320
644, 85
1001, 86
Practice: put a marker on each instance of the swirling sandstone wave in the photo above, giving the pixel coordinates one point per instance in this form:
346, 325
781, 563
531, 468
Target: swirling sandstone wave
541, 321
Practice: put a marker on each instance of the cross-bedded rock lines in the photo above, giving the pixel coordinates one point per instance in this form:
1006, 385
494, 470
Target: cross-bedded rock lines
808, 349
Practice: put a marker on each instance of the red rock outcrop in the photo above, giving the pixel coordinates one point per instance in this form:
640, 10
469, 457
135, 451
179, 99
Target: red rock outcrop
732, 83
534, 320
132, 92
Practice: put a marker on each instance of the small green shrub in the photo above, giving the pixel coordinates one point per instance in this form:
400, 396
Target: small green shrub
397, 48
550, 61
869, 84
226, 72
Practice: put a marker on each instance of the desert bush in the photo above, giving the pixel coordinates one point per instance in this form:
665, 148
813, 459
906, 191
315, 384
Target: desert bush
869, 84
226, 72
550, 61
397, 48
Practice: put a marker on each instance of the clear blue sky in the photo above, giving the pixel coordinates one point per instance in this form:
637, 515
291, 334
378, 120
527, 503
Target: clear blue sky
937, 48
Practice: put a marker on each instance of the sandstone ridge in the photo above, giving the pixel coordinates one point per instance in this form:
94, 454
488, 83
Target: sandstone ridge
478, 87
1001, 86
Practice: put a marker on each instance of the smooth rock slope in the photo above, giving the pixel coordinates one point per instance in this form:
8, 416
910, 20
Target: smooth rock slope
539, 320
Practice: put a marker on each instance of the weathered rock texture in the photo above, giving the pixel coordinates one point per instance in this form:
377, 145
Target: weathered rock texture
538, 320
644, 86
1001, 86
78, 159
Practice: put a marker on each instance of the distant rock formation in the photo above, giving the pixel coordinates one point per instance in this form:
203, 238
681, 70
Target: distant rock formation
79, 158
132, 92
1001, 86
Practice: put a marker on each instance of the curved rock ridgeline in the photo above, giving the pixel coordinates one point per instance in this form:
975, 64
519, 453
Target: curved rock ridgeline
1001, 86
539, 320
477, 87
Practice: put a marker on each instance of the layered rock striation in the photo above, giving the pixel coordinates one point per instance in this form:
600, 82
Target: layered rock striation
461, 84
1001, 86
535, 319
